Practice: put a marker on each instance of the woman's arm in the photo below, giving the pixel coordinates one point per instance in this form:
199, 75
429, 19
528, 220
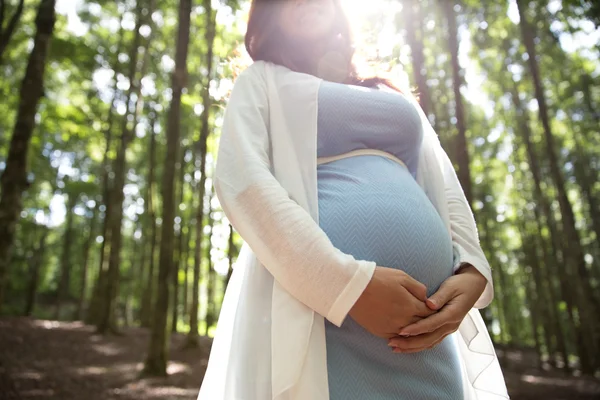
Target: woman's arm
283, 236
463, 229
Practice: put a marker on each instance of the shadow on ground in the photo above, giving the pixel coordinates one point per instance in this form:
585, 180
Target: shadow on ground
49, 360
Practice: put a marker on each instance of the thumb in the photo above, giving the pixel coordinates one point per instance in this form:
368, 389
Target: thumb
443, 295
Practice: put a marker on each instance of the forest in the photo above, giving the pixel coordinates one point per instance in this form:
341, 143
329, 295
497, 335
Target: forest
114, 250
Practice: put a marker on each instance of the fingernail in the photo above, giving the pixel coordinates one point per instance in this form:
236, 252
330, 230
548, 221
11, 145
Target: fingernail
404, 333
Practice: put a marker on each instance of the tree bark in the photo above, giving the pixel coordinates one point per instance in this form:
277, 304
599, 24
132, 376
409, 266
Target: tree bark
186, 274
14, 179
587, 300
34, 272
543, 211
202, 149
462, 150
93, 311
84, 268
414, 36
65, 263
179, 261
150, 219
6, 34
531, 299
211, 275
115, 216
156, 362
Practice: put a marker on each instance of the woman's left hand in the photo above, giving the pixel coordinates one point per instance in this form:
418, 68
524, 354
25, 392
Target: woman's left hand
455, 297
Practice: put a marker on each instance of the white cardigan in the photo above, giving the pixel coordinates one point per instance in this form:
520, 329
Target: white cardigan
270, 338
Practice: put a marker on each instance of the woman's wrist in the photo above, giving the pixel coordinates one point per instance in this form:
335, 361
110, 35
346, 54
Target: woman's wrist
471, 271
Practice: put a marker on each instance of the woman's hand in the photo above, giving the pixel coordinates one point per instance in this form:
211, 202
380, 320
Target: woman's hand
391, 301
455, 297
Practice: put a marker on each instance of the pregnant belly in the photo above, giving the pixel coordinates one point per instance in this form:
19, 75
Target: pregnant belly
372, 208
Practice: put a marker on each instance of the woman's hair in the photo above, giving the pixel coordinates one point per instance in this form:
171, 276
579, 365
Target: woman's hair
266, 42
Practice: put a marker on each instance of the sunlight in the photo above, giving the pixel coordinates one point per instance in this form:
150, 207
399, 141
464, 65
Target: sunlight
381, 13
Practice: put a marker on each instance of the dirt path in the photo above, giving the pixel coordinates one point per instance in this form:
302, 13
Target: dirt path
48, 360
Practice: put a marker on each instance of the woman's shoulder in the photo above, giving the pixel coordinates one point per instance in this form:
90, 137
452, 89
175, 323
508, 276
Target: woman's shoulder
256, 70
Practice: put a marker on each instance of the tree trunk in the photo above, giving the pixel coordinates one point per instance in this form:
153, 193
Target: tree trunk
186, 273
156, 362
34, 272
462, 150
586, 180
587, 300
531, 299
84, 268
14, 179
211, 275
65, 273
543, 211
93, 312
150, 219
6, 34
179, 261
192, 339
414, 36
115, 216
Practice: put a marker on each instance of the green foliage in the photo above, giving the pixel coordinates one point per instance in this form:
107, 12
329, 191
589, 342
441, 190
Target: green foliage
84, 107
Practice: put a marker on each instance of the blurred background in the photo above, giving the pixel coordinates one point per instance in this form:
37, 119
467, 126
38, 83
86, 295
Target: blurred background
115, 253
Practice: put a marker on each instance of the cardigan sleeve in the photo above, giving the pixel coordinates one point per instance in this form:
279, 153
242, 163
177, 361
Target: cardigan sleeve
463, 229
283, 235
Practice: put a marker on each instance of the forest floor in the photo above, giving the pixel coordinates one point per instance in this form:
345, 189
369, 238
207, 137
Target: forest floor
49, 360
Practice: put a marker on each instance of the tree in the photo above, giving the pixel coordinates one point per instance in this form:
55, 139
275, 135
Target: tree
6, 34
14, 178
156, 361
462, 150
587, 300
201, 151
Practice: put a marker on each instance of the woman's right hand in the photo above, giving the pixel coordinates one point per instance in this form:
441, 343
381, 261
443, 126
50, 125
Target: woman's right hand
391, 301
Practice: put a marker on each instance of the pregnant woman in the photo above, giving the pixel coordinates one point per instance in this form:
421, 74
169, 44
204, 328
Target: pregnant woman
361, 272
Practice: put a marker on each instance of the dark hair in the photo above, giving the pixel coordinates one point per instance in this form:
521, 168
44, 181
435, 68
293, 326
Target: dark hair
264, 41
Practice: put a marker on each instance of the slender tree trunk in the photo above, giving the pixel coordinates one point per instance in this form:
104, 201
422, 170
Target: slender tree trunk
94, 308
211, 275
186, 273
84, 269
65, 273
6, 34
542, 300
192, 339
462, 150
415, 36
130, 290
586, 180
156, 362
150, 217
587, 300
14, 178
543, 208
179, 261
531, 298
115, 216
34, 272
501, 301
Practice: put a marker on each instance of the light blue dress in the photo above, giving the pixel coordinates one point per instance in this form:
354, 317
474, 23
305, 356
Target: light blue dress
372, 207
